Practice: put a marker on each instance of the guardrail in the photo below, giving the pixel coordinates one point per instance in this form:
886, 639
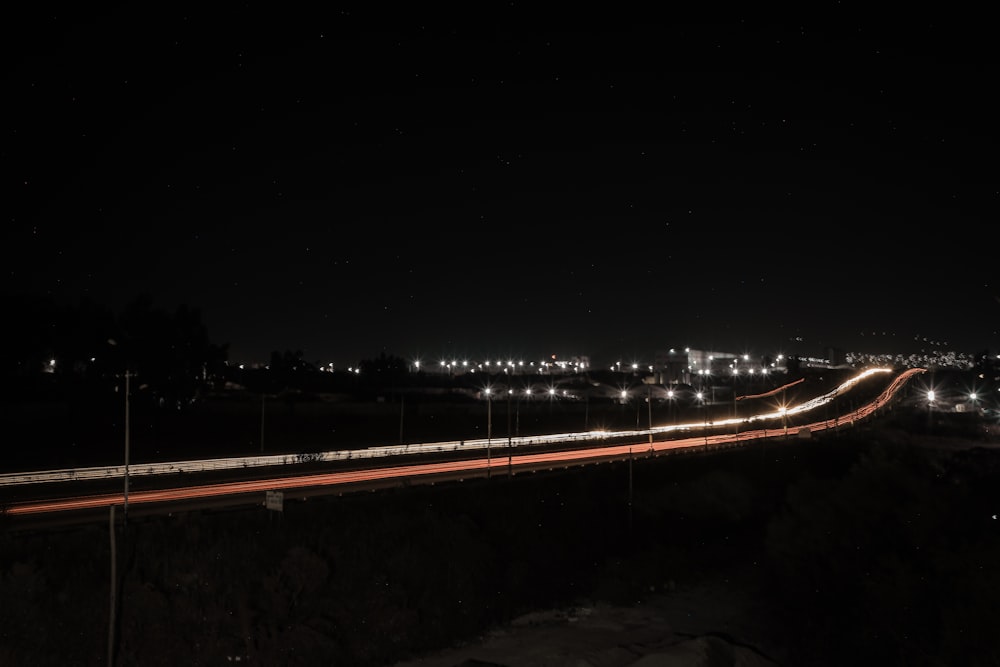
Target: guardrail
219, 464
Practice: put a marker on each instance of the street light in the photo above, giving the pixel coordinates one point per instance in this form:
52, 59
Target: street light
784, 412
704, 407
517, 413
510, 444
736, 412
930, 403
649, 412
128, 429
670, 406
262, 410
489, 429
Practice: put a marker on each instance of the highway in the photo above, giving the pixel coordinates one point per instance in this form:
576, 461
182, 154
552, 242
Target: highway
374, 468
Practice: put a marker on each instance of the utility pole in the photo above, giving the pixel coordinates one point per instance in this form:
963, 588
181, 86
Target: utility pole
114, 594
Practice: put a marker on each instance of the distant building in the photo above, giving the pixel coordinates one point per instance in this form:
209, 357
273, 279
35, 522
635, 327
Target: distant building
690, 366
836, 356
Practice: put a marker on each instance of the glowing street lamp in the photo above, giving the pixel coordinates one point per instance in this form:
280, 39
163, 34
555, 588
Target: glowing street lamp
704, 407
736, 413
510, 433
128, 429
649, 412
517, 411
489, 428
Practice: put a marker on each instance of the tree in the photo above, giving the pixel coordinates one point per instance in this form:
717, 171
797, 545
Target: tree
384, 366
170, 353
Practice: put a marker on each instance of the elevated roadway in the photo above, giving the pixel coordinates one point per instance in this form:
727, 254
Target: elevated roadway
82, 495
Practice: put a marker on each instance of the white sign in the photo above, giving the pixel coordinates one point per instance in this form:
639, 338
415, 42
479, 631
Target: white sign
275, 500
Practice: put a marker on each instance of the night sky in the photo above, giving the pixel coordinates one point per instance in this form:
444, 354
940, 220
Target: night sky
509, 183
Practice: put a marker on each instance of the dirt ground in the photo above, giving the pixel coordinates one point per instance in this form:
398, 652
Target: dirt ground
711, 624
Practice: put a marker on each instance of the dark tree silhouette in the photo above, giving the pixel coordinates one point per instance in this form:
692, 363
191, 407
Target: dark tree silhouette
81, 343
288, 361
168, 353
60, 341
385, 366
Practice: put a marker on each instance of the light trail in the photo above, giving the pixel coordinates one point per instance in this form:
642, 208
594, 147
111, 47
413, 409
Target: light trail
467, 467
218, 464
773, 392
484, 466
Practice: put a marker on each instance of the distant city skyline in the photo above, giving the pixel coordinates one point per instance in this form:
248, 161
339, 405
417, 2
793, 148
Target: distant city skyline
581, 363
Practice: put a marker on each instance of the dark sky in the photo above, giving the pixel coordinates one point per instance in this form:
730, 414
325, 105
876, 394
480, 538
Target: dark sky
507, 183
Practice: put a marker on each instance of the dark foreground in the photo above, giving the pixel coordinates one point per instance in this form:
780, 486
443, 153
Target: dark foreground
868, 548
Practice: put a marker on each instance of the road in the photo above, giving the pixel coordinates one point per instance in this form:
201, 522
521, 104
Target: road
479, 459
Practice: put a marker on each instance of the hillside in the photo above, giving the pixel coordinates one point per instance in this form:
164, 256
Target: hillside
873, 547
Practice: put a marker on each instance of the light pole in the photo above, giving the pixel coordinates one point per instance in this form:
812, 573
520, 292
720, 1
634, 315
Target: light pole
128, 387
704, 409
510, 445
517, 414
649, 412
736, 414
638, 407
784, 412
402, 409
670, 406
930, 403
489, 429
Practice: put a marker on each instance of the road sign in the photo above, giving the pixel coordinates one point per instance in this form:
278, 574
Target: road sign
275, 500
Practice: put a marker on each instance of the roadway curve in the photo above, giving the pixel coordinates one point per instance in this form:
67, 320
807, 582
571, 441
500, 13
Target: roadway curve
641, 443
